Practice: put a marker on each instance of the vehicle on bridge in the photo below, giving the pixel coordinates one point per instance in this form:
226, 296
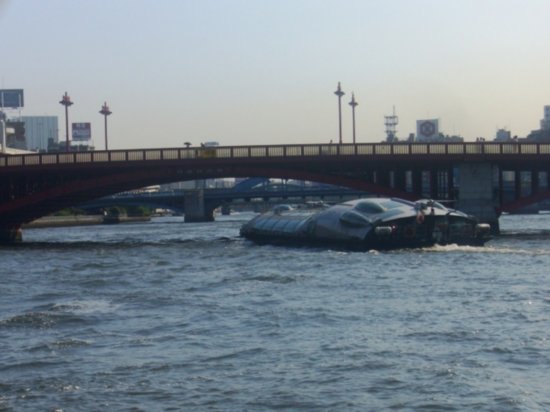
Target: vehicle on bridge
364, 224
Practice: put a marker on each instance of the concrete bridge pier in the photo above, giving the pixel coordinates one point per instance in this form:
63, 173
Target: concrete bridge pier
476, 193
195, 208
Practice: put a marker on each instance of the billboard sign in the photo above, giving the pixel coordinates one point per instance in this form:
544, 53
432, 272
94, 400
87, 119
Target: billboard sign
427, 130
11, 98
82, 131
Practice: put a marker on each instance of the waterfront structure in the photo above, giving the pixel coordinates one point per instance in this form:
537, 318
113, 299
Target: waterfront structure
39, 130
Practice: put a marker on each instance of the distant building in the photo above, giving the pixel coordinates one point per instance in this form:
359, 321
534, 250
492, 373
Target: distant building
451, 138
60, 147
545, 122
543, 134
39, 130
539, 136
17, 139
503, 135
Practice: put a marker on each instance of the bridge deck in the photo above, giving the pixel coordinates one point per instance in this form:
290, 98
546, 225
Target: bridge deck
489, 150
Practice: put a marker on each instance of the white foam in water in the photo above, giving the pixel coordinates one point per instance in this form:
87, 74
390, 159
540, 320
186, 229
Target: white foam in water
485, 249
81, 307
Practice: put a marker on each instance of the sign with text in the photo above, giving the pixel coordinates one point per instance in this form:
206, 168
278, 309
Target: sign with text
11, 98
82, 131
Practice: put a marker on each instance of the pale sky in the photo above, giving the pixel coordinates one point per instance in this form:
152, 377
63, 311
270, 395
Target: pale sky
265, 71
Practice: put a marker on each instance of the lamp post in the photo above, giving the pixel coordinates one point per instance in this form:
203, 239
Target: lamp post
105, 112
339, 93
353, 103
66, 101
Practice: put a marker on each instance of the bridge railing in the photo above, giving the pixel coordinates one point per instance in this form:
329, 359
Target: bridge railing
223, 152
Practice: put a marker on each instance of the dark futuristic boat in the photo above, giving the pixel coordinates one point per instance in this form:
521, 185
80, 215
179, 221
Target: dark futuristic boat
371, 223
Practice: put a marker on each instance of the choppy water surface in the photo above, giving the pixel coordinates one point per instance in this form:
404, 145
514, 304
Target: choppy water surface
172, 316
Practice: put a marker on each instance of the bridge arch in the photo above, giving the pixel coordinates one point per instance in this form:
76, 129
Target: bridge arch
40, 189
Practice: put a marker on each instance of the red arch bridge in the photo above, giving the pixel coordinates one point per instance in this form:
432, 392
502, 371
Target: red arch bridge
472, 176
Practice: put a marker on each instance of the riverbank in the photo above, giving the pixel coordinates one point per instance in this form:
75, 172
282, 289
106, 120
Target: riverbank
81, 220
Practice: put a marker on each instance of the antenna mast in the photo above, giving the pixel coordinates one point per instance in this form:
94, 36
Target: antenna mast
391, 126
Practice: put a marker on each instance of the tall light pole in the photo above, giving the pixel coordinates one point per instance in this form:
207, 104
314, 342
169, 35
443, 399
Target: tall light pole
339, 93
105, 112
66, 101
353, 103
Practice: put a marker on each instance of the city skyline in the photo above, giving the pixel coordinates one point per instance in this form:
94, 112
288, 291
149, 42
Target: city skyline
242, 72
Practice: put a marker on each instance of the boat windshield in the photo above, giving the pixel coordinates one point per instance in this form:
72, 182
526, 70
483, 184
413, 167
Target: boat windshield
392, 204
369, 207
379, 206
424, 204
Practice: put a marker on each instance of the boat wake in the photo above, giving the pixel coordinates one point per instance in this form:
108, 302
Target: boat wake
487, 249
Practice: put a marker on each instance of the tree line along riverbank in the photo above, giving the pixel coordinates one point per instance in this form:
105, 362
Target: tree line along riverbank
77, 217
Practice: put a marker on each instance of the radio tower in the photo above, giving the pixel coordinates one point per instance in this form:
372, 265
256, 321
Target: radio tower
391, 126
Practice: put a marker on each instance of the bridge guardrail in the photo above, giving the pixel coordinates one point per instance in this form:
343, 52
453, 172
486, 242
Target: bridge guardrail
306, 150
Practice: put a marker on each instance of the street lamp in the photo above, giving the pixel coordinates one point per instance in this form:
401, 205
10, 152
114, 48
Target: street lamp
66, 101
353, 103
339, 93
105, 112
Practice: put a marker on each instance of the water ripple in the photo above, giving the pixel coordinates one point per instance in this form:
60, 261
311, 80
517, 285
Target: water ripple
191, 317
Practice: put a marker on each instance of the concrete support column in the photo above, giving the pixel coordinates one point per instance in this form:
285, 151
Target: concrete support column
450, 184
383, 178
517, 184
417, 182
400, 180
535, 184
195, 210
434, 184
475, 195
500, 186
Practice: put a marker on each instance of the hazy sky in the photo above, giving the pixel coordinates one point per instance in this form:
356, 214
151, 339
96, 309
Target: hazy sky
265, 71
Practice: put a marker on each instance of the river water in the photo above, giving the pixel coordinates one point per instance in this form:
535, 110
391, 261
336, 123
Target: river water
170, 316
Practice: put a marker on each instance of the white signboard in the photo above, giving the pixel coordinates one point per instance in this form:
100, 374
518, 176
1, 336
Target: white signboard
427, 130
82, 131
